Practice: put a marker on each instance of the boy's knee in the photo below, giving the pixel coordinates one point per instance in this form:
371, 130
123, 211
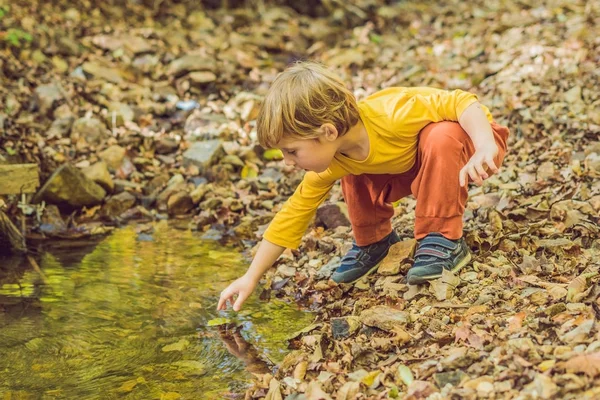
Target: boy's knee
443, 136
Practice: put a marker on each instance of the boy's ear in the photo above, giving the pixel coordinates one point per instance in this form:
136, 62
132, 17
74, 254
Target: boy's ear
330, 132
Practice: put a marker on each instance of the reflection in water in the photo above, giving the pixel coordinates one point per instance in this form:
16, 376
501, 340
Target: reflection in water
128, 320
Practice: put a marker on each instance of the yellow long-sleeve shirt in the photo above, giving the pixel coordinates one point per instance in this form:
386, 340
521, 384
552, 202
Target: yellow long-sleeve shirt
393, 118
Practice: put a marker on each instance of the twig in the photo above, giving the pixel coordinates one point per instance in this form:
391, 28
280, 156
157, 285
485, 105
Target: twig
37, 268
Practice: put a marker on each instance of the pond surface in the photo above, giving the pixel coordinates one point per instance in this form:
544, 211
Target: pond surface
129, 317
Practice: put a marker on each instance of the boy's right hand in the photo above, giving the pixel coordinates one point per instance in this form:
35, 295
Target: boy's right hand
243, 287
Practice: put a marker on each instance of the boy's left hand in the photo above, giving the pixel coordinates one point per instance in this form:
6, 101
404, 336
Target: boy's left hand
480, 161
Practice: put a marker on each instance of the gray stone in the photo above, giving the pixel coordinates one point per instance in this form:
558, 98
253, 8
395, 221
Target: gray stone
99, 174
326, 270
166, 145
163, 197
198, 193
52, 222
157, 183
47, 96
69, 186
384, 317
179, 203
333, 215
118, 204
89, 130
202, 77
113, 75
119, 113
137, 45
113, 157
191, 62
121, 184
60, 128
211, 204
63, 111
342, 328
203, 154
453, 378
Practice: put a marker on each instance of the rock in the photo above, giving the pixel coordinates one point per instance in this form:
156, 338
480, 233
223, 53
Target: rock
202, 77
118, 204
166, 145
453, 378
47, 95
191, 62
384, 317
202, 154
99, 174
179, 203
52, 222
163, 197
119, 113
69, 186
121, 185
333, 215
198, 193
89, 130
104, 73
63, 111
113, 157
326, 270
342, 328
60, 128
211, 204
157, 183
137, 45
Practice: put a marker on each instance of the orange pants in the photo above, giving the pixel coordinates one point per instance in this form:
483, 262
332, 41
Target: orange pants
444, 148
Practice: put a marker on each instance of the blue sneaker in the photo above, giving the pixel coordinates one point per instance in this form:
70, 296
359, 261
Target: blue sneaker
361, 261
436, 253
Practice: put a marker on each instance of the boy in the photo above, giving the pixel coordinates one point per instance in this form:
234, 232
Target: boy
398, 141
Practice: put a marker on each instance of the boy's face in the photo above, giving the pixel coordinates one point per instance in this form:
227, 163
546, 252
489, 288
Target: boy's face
309, 154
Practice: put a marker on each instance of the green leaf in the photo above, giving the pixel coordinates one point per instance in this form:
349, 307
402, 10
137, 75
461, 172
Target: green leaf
10, 151
273, 154
248, 172
218, 322
375, 38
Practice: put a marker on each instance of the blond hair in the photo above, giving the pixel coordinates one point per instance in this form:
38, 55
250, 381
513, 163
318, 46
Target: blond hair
300, 100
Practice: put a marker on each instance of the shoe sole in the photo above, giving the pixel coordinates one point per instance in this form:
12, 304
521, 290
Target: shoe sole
427, 278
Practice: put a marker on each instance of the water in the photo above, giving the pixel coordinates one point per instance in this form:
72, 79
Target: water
128, 319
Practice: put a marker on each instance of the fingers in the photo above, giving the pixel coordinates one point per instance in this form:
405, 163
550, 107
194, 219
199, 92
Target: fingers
492, 165
474, 175
242, 296
481, 172
225, 296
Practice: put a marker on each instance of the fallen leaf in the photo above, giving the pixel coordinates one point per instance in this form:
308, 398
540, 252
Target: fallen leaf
589, 364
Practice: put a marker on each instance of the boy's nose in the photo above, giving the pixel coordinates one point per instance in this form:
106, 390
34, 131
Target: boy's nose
288, 161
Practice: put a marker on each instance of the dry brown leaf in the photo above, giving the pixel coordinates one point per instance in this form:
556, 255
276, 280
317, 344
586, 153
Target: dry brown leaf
348, 391
274, 392
589, 364
515, 323
576, 287
314, 392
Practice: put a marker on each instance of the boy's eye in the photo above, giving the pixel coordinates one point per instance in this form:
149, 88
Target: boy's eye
291, 152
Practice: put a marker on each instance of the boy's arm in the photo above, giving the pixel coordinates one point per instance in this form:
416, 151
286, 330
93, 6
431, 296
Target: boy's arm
265, 257
474, 121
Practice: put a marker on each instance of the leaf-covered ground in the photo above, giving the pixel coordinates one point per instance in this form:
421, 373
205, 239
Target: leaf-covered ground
130, 87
